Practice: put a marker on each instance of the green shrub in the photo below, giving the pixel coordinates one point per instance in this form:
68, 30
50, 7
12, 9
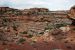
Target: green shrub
15, 28
41, 33
21, 40
60, 25
48, 28
5, 20
33, 42
25, 32
30, 36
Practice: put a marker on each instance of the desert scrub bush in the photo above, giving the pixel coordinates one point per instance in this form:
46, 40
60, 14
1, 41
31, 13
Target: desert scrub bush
60, 25
41, 33
49, 26
15, 25
25, 32
73, 29
15, 28
21, 40
29, 36
4, 24
4, 19
33, 42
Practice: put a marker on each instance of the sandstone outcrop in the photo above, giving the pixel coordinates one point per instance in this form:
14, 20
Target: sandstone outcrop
37, 26
72, 15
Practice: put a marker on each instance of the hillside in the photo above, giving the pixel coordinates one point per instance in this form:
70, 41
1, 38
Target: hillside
37, 29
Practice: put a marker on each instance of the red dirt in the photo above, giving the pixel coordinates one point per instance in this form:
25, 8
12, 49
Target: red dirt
38, 46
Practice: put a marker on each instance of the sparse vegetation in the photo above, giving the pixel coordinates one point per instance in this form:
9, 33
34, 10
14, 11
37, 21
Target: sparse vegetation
25, 32
48, 27
33, 42
30, 36
43, 27
41, 33
4, 19
21, 40
15, 26
3, 37
73, 29
60, 25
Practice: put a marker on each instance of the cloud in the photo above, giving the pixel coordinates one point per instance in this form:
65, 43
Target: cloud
4, 3
51, 4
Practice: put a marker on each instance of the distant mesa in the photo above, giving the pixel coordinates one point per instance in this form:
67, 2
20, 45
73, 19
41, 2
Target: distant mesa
44, 12
40, 9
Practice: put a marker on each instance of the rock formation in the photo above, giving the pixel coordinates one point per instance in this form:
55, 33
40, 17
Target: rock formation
36, 24
72, 15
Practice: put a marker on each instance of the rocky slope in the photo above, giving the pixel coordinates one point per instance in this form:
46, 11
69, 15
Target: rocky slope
36, 28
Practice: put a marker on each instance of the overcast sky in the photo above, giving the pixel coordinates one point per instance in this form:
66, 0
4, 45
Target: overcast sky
50, 4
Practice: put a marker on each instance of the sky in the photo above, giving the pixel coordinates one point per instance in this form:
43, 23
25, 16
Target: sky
50, 4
